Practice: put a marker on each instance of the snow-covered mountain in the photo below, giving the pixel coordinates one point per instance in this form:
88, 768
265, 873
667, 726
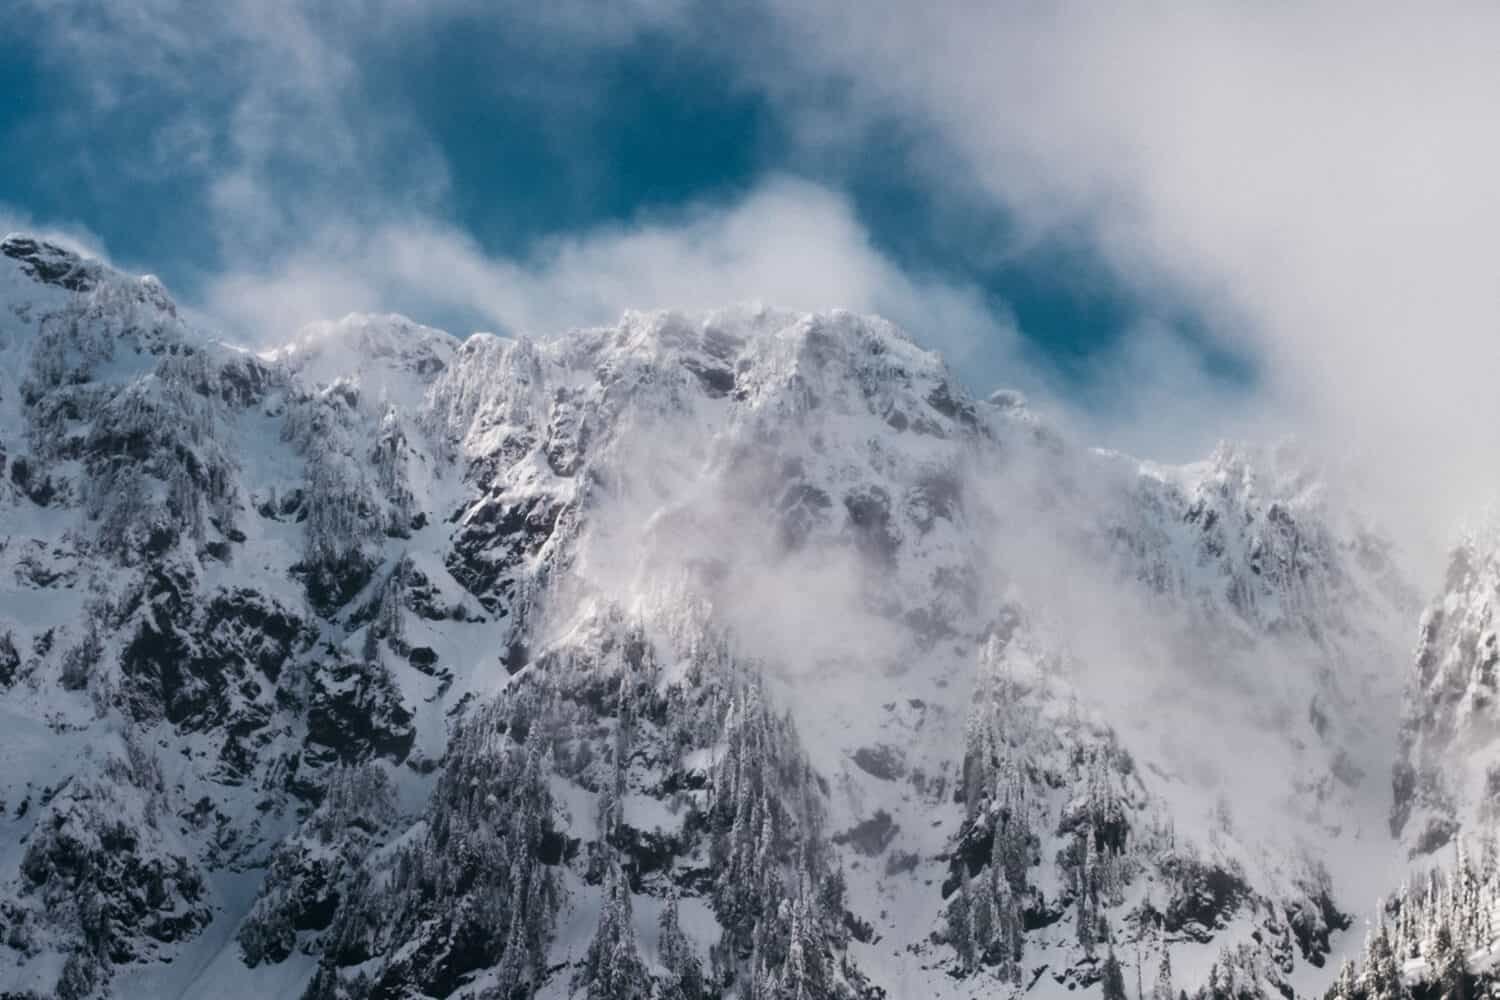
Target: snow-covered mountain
738, 654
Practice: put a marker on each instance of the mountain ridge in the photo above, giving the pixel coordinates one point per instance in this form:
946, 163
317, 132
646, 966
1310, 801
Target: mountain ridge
713, 643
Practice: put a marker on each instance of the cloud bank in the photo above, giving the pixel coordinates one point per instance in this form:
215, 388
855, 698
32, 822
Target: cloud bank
1319, 183
789, 243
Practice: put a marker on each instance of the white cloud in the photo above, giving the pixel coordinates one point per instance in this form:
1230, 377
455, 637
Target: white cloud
261, 104
71, 235
788, 243
1153, 394
1320, 180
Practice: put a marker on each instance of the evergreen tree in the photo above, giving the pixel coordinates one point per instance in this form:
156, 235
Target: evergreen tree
961, 927
1382, 980
1450, 966
1013, 837
1162, 988
1346, 986
684, 975
612, 968
1083, 866
1009, 928
982, 922
801, 974
1114, 977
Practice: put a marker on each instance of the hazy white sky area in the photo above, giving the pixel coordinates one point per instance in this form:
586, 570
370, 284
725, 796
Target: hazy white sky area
1321, 181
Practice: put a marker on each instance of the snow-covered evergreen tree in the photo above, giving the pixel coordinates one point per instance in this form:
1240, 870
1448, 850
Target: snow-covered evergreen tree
612, 969
683, 978
1113, 981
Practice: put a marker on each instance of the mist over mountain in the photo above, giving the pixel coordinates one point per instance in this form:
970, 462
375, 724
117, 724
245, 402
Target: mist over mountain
737, 653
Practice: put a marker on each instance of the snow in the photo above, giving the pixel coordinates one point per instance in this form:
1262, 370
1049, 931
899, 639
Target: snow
819, 489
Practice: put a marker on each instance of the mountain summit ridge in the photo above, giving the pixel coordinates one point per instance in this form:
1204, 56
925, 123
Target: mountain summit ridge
738, 653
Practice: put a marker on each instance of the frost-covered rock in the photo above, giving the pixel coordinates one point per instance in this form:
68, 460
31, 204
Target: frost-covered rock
730, 654
103, 880
1448, 769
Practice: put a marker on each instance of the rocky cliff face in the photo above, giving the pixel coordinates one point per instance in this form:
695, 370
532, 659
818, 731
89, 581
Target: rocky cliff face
1448, 773
741, 654
1435, 935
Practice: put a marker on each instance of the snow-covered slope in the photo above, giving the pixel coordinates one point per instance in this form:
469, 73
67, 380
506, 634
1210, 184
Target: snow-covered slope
737, 654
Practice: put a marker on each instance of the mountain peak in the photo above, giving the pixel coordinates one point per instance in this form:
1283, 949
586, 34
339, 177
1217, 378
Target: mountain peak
703, 608
51, 264
388, 353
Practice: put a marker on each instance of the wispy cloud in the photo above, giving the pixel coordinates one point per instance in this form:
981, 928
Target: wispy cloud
261, 105
72, 235
789, 243
1318, 181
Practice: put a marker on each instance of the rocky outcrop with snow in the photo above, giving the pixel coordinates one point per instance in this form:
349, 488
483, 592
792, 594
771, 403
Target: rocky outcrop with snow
1448, 772
738, 654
